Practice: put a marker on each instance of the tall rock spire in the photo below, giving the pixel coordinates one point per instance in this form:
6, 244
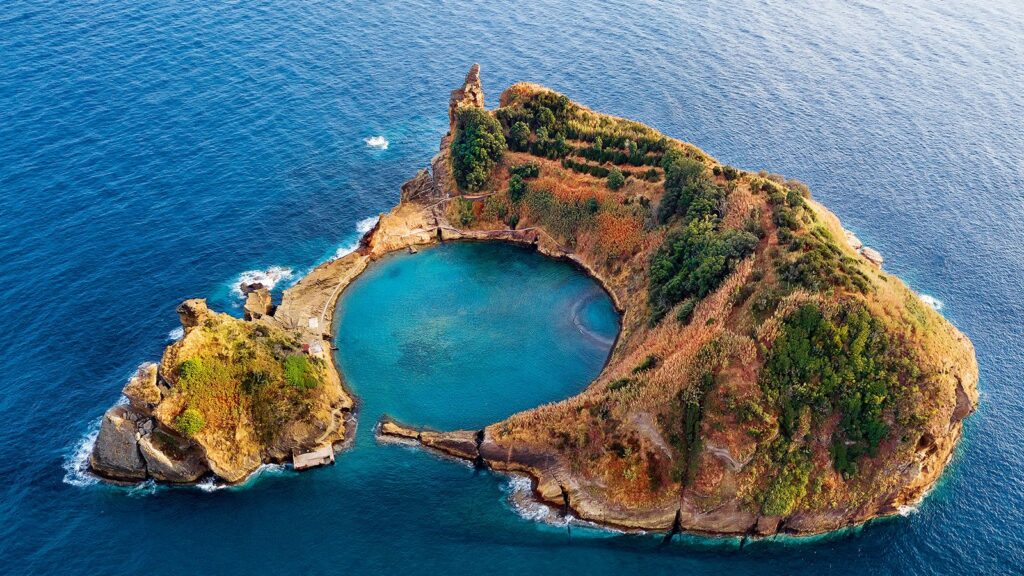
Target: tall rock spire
470, 94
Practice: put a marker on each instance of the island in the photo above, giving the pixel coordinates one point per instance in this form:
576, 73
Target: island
769, 376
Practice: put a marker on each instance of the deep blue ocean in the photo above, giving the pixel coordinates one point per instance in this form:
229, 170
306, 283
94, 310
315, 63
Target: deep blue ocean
155, 151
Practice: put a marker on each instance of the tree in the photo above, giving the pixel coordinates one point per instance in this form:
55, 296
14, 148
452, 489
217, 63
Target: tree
189, 422
615, 179
519, 136
478, 144
516, 188
693, 261
546, 118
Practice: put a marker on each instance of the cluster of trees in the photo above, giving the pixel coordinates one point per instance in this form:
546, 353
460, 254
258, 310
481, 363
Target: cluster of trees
819, 364
689, 193
693, 261
525, 170
543, 110
517, 186
548, 146
789, 485
479, 143
818, 264
634, 154
728, 172
650, 175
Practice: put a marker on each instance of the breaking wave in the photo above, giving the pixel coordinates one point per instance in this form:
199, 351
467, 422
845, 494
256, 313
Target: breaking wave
378, 142
519, 490
269, 278
210, 484
362, 227
520, 498
932, 301
176, 334
76, 465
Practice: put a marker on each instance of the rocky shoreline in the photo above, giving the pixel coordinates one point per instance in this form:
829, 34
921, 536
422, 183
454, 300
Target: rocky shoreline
138, 441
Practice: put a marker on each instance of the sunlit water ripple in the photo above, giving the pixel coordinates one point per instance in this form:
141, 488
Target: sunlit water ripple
151, 152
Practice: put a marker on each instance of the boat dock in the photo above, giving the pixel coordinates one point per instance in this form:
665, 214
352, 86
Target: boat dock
319, 457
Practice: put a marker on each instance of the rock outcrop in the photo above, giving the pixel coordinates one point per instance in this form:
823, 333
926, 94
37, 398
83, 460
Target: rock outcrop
470, 94
116, 453
258, 304
176, 427
170, 458
421, 188
627, 452
680, 430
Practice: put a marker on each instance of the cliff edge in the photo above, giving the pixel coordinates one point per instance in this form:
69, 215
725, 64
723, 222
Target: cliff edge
770, 376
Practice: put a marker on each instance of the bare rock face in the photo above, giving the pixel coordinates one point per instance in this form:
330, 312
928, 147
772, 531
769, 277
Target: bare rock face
471, 94
116, 454
193, 312
420, 189
142, 390
258, 304
172, 459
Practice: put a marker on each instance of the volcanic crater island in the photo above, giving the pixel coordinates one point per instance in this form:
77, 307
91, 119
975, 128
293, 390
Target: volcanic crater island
769, 376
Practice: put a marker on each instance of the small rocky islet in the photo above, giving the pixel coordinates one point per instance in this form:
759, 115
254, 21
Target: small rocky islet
769, 376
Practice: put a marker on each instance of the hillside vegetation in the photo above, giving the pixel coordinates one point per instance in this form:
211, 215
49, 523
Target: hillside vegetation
765, 369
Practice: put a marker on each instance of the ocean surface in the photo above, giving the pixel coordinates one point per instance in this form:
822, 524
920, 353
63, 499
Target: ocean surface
155, 151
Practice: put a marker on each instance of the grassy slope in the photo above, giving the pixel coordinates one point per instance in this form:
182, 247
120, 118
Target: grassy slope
625, 436
235, 375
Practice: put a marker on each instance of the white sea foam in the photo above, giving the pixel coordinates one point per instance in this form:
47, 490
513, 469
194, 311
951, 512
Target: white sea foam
932, 301
76, 464
906, 511
362, 227
378, 142
146, 488
210, 484
521, 499
269, 278
366, 224
176, 334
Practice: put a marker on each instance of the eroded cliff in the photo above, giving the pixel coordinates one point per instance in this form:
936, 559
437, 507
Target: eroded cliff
769, 377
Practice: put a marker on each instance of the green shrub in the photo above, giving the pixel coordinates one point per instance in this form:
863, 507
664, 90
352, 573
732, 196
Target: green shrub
619, 384
693, 261
477, 146
615, 179
463, 211
300, 372
189, 422
842, 363
519, 137
648, 363
688, 192
516, 188
685, 311
788, 487
526, 170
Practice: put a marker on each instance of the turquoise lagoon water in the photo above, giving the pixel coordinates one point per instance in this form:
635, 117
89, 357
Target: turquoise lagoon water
462, 335
155, 151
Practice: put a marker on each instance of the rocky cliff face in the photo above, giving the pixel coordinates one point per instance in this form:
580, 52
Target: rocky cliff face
229, 396
470, 94
707, 417
769, 376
